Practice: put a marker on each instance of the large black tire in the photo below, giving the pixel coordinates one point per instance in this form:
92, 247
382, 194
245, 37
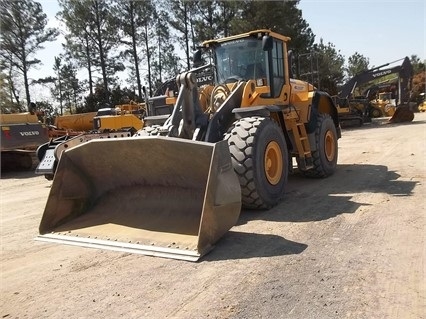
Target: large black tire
325, 155
260, 159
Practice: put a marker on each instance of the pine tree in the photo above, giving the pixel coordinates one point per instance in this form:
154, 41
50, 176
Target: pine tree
137, 20
357, 63
23, 32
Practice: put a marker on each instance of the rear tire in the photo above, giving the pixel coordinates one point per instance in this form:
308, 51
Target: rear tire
325, 156
259, 156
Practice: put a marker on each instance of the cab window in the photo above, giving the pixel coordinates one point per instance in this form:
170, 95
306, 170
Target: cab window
277, 56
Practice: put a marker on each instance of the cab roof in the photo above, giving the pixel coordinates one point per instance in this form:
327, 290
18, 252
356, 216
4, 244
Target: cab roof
255, 33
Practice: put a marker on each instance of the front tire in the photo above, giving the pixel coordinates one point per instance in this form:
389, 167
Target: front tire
260, 158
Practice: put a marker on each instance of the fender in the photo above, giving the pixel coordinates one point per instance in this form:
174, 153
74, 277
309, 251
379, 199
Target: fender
262, 110
323, 103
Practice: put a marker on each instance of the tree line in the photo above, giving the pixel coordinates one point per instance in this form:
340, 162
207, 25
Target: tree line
106, 37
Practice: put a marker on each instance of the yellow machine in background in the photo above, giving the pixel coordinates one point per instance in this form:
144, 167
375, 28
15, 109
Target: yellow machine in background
402, 111
422, 105
382, 105
122, 121
81, 122
175, 189
122, 117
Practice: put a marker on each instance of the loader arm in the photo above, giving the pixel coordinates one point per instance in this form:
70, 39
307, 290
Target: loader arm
187, 119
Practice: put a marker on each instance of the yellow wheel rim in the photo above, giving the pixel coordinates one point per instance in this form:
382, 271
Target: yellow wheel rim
330, 146
273, 163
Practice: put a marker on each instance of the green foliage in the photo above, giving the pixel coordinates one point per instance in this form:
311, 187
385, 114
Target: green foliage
23, 32
135, 21
418, 65
419, 79
92, 38
181, 21
357, 63
270, 14
331, 63
103, 37
7, 105
97, 100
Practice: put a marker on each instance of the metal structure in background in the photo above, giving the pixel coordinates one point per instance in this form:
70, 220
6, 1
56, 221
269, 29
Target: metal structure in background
308, 68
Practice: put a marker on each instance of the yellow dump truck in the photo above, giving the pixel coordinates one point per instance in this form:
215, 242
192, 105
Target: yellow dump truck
174, 189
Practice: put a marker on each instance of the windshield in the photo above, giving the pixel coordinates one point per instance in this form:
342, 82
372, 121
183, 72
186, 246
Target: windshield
385, 96
241, 59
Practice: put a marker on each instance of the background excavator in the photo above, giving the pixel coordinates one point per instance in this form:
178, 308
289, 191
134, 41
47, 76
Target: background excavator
359, 110
21, 134
174, 189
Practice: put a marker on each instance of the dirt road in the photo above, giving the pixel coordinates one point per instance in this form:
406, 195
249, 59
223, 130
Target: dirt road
349, 246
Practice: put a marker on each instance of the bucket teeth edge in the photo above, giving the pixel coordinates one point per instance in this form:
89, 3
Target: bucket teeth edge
146, 250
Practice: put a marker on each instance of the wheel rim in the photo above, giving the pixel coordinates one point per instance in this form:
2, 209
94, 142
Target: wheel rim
375, 113
330, 148
273, 163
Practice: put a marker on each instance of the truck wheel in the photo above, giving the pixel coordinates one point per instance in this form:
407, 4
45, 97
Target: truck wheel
259, 156
325, 156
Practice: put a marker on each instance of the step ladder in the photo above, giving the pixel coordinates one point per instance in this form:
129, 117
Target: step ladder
303, 148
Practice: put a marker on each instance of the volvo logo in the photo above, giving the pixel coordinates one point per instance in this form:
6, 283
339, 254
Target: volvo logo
382, 73
29, 133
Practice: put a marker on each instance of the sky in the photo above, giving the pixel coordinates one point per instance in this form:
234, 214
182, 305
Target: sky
382, 31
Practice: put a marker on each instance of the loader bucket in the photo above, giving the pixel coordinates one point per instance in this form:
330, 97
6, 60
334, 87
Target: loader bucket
403, 113
157, 196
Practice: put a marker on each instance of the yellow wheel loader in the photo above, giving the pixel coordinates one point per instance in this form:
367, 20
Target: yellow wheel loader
174, 189
382, 105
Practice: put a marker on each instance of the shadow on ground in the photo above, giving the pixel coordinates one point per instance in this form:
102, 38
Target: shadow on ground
239, 245
309, 200
320, 199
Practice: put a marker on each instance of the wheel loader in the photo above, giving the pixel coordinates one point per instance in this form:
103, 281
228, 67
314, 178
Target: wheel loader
174, 189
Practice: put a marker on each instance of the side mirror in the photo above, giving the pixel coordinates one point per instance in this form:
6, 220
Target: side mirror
267, 43
197, 60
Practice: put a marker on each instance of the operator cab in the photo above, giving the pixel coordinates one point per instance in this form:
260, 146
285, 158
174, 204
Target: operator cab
257, 56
